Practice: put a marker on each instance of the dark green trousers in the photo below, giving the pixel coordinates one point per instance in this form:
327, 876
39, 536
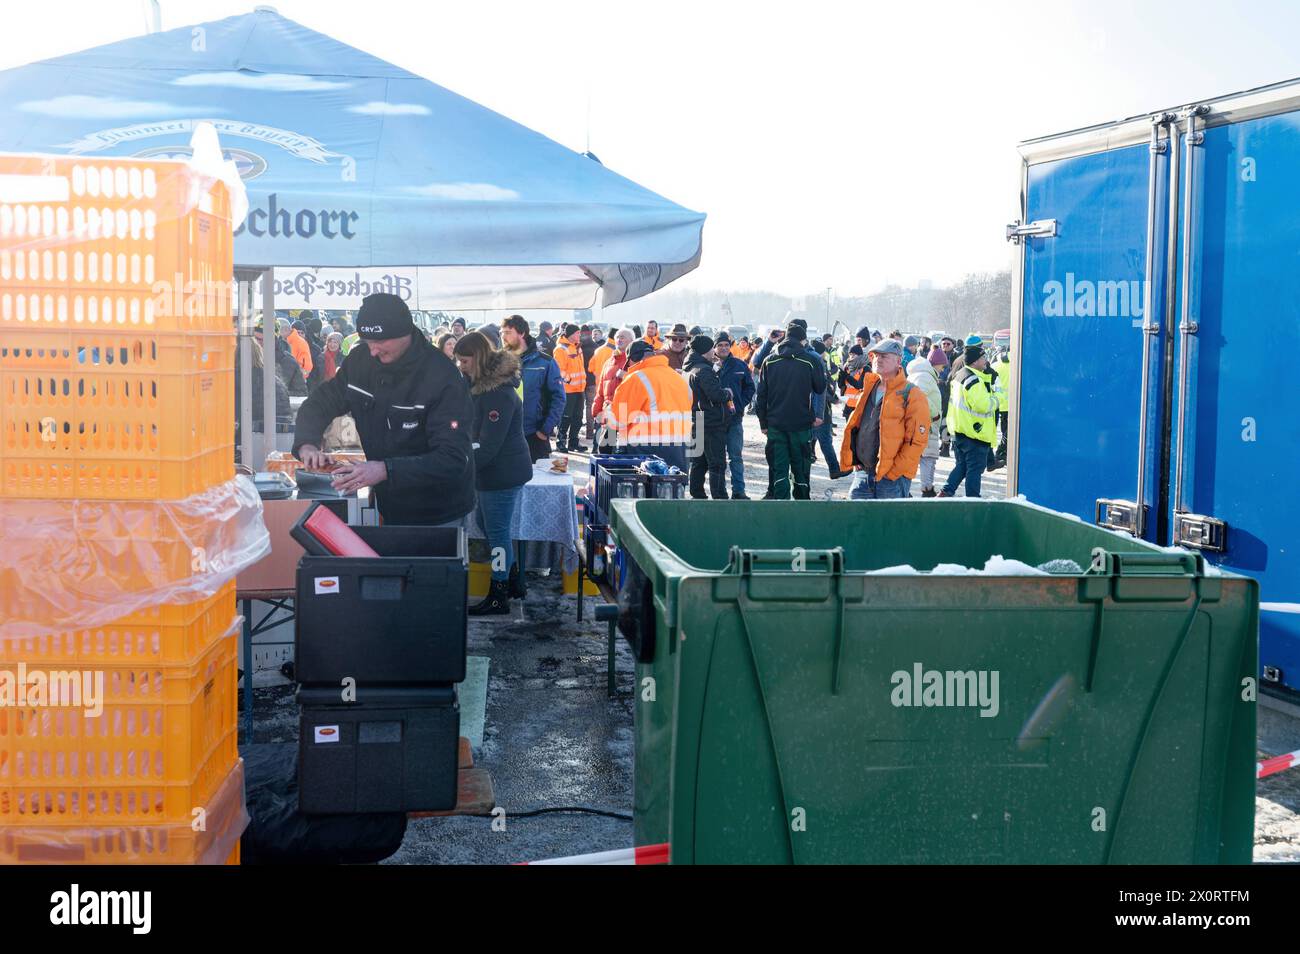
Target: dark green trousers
791, 463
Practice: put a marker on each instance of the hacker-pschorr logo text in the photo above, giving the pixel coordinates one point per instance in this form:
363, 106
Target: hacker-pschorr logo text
77, 907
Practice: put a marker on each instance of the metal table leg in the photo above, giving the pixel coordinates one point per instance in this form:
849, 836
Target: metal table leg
582, 567
248, 668
608, 612
519, 563
610, 688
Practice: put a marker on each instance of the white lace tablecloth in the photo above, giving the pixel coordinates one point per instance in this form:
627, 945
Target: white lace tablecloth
546, 520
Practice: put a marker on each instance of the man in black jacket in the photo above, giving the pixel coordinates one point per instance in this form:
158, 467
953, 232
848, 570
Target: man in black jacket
784, 407
588, 344
709, 402
314, 348
545, 339
735, 375
413, 414
286, 368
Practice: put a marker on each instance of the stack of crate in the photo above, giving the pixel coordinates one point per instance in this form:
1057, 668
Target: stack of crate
117, 385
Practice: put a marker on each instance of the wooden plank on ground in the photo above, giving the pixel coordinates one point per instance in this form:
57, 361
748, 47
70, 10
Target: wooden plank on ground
474, 792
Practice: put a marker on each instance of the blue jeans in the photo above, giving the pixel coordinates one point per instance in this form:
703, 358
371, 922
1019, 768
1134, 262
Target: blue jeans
496, 515
826, 441
736, 454
971, 457
866, 487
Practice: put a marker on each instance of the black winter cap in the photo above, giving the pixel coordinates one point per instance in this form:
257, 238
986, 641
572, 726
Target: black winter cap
700, 344
383, 316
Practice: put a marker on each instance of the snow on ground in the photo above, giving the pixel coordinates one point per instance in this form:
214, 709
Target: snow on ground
1277, 798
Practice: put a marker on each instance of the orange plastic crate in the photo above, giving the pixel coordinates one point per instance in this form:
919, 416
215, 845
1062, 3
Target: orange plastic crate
122, 244
175, 843
177, 634
125, 430
163, 743
103, 479
128, 353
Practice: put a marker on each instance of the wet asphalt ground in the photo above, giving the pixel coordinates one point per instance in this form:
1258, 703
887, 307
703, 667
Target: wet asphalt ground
554, 739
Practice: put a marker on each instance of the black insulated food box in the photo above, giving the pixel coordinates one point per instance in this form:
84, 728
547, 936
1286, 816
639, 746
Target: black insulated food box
398, 618
392, 753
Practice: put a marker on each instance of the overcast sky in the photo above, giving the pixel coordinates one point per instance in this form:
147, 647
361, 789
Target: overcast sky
831, 144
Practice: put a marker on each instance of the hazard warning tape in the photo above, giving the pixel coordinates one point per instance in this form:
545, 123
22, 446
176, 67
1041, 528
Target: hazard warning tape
1277, 763
643, 855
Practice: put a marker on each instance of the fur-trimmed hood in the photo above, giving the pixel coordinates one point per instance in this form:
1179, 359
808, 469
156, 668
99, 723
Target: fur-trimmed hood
500, 367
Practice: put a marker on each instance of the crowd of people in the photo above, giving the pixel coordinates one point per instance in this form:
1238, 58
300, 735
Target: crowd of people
676, 393
308, 351
902, 402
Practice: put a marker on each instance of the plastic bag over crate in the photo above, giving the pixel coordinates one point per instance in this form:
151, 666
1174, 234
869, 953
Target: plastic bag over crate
79, 564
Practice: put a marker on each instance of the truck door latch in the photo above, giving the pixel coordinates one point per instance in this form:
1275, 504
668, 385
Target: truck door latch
1042, 228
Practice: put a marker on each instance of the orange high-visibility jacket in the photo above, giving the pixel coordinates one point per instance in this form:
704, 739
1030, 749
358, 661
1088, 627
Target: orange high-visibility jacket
904, 429
652, 405
741, 350
597, 363
653, 341
852, 394
301, 353
569, 358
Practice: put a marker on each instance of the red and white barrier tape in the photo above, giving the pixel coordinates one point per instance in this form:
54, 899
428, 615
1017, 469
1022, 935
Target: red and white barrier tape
1277, 763
643, 855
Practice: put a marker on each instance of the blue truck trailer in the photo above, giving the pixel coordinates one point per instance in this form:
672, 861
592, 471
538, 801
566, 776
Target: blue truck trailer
1155, 310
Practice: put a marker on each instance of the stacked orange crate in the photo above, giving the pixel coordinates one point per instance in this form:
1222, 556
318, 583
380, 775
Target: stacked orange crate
117, 357
117, 383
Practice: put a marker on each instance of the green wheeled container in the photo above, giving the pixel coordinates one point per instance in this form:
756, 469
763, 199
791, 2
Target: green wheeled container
828, 683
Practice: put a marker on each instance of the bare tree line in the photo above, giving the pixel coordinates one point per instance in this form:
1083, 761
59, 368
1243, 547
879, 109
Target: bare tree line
980, 303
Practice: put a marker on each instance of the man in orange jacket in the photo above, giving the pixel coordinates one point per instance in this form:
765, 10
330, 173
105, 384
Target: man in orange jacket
651, 409
301, 353
596, 365
651, 336
611, 376
568, 355
888, 429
